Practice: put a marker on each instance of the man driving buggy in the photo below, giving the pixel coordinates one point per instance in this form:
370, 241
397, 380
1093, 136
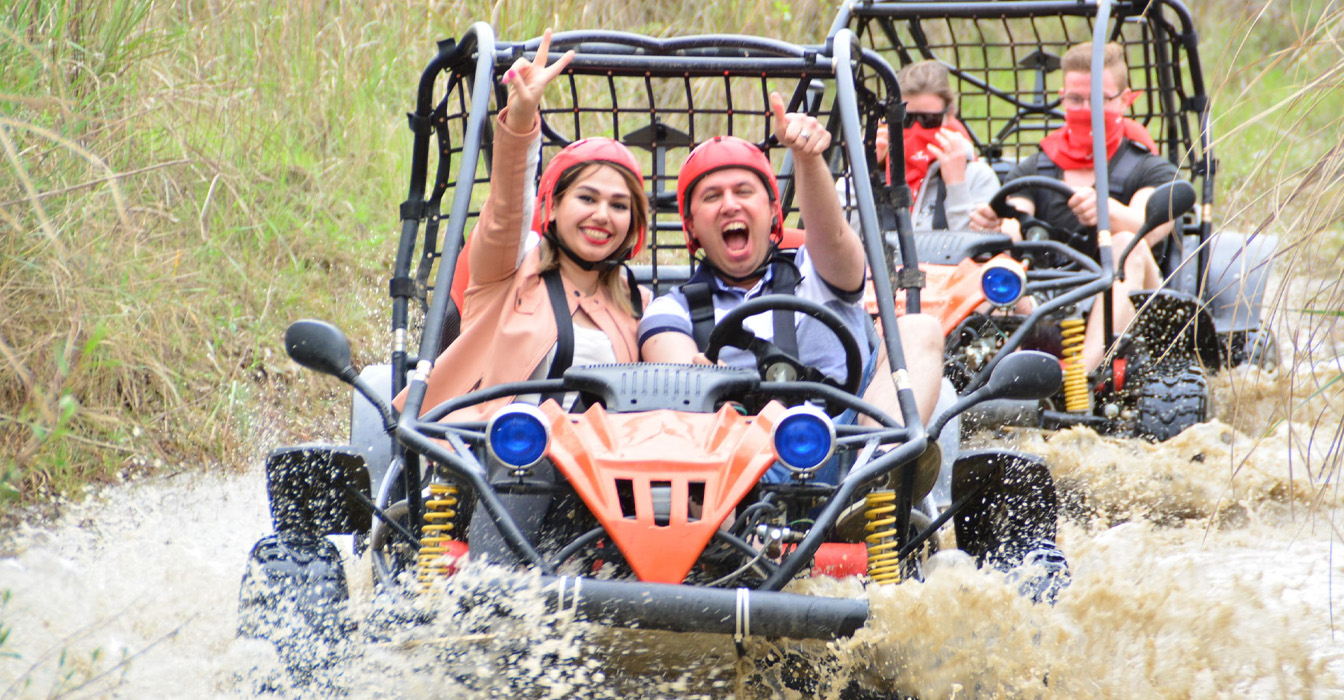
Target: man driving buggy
1133, 170
729, 202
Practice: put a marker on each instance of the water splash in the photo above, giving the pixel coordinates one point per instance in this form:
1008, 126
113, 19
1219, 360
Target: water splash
1202, 568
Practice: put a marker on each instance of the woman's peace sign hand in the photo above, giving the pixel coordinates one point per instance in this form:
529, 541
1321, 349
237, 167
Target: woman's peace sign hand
527, 82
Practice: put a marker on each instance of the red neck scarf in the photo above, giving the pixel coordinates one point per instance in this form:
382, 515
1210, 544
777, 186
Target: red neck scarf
1070, 146
917, 156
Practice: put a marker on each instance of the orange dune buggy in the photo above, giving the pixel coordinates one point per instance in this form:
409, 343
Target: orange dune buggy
646, 508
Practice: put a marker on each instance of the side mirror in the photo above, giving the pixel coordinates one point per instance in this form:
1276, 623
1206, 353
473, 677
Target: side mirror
319, 346
1024, 375
1170, 201
1028, 375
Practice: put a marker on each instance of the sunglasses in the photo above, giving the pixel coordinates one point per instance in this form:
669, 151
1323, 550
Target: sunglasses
928, 120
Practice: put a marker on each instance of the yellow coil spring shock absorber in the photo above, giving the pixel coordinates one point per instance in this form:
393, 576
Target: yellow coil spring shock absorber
434, 537
884, 564
1076, 396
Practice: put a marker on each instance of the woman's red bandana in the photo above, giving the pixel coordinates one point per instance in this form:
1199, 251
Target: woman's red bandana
917, 156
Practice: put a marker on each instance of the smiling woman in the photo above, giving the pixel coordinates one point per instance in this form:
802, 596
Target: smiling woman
589, 234
591, 215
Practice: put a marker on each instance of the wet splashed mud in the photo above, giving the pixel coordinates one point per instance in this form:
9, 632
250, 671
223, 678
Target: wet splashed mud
1194, 577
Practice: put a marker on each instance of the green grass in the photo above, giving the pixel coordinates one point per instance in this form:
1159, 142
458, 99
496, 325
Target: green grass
1278, 110
180, 180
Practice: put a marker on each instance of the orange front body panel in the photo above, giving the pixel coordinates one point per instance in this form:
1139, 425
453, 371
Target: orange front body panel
722, 453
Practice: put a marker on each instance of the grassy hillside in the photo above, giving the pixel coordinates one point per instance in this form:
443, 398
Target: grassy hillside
180, 180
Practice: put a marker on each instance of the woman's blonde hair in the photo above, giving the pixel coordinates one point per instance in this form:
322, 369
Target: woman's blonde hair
611, 277
928, 78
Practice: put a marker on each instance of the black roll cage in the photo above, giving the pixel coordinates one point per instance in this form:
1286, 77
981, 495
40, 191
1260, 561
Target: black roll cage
1001, 51
468, 70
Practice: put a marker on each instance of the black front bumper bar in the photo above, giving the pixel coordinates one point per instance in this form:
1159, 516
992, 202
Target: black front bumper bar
674, 608
671, 607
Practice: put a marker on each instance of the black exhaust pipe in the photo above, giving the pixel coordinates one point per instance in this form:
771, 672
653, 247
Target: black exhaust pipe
674, 608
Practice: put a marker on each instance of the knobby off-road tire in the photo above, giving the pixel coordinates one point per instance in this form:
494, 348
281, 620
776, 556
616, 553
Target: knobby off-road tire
1168, 404
293, 595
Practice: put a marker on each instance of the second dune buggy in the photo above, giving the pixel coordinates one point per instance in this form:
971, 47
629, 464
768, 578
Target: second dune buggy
1207, 314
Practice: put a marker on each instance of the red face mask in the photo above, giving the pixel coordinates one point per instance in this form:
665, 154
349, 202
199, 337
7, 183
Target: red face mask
1070, 147
917, 156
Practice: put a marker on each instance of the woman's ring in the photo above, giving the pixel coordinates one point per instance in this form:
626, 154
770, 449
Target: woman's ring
804, 136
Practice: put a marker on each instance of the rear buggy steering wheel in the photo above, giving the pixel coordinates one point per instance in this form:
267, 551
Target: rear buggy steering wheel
1032, 227
775, 364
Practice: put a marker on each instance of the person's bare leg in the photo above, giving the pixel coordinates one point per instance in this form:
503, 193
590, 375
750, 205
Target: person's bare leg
1152, 276
1140, 267
1140, 273
1094, 348
922, 343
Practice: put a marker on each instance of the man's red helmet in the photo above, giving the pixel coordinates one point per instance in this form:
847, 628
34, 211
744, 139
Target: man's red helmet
582, 152
719, 153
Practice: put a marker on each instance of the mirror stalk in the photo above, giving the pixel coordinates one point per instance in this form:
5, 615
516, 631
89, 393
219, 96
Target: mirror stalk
1168, 202
940, 421
1024, 374
384, 410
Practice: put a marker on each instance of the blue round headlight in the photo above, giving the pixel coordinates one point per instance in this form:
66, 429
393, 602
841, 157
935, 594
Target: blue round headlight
1002, 285
518, 435
804, 438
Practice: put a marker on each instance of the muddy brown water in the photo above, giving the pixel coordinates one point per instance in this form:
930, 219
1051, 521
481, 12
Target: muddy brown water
1205, 567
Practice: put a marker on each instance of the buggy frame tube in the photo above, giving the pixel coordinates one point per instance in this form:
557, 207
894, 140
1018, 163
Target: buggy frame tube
740, 612
429, 424
481, 90
412, 213
424, 109
996, 8
434, 318
786, 56
1099, 156
842, 46
410, 228
1105, 253
873, 243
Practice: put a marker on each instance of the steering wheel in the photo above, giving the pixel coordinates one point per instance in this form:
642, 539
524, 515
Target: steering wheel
1034, 229
775, 364
1006, 210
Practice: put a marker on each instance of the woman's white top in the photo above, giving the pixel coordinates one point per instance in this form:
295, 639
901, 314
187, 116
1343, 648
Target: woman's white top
591, 347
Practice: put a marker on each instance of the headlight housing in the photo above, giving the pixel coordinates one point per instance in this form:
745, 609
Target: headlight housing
518, 435
804, 439
1002, 282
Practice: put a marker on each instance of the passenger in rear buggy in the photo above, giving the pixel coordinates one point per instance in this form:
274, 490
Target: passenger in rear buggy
591, 215
729, 202
1134, 171
944, 176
